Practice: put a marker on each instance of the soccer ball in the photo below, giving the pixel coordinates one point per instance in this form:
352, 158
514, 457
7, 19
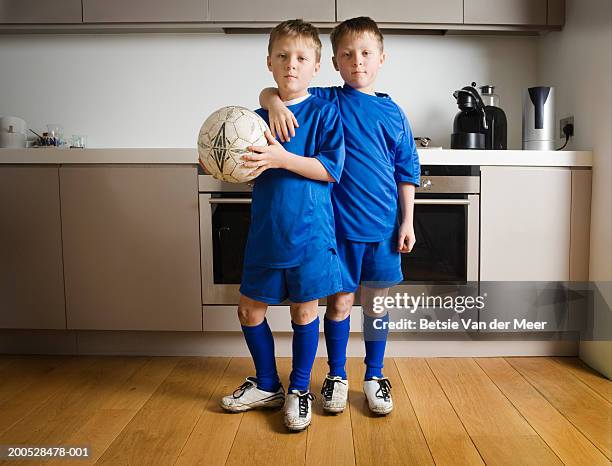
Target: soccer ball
223, 140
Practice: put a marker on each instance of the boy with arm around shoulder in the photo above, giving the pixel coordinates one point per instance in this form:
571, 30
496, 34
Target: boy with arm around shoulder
381, 168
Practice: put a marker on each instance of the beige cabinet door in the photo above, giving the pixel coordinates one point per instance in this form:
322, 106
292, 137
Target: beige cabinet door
272, 10
506, 12
525, 224
131, 249
403, 11
144, 11
31, 276
40, 11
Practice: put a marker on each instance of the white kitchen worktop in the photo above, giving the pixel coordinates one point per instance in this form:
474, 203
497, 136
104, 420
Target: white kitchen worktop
189, 156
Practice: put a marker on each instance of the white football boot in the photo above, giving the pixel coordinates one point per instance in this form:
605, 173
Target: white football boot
298, 410
378, 392
335, 393
248, 396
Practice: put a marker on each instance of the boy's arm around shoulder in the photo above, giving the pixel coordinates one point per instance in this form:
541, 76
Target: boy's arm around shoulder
325, 165
282, 120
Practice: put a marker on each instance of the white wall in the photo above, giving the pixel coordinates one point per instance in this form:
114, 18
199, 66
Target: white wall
154, 90
578, 61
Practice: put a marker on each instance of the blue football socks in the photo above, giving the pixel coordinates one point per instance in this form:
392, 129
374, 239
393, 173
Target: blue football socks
305, 342
261, 345
336, 340
375, 341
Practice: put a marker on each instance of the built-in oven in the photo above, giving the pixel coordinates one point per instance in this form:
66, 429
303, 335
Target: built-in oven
446, 222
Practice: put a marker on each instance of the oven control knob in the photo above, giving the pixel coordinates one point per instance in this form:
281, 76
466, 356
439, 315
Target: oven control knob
426, 184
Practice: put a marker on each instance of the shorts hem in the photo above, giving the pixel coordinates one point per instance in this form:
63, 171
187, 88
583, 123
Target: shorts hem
262, 299
320, 295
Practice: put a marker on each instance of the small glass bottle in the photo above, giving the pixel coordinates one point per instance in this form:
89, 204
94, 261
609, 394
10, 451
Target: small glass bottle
496, 135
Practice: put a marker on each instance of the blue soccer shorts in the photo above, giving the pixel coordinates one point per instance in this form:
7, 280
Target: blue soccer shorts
375, 265
318, 276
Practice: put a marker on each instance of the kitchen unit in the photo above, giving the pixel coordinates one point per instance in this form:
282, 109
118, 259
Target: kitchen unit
132, 247
462, 15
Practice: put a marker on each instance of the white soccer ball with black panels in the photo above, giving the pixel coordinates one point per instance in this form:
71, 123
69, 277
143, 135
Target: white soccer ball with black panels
224, 138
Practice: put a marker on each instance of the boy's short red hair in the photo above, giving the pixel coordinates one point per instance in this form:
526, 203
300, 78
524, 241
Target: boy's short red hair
296, 28
355, 26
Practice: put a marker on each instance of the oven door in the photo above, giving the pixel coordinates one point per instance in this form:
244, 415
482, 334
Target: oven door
446, 253
224, 227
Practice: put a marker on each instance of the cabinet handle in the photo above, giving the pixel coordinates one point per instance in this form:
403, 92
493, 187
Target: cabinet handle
227, 200
442, 201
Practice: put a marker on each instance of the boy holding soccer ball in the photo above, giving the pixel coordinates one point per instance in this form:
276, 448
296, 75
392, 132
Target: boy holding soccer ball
381, 167
291, 247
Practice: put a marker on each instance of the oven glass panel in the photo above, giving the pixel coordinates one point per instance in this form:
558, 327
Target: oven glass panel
440, 252
230, 228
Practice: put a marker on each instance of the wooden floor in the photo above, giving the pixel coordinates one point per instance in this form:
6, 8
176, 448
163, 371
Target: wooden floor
146, 411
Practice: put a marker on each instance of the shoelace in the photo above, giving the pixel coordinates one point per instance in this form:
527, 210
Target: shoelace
243, 388
328, 387
303, 403
384, 388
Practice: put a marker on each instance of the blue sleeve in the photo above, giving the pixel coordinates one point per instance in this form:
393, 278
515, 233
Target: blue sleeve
331, 142
325, 93
407, 165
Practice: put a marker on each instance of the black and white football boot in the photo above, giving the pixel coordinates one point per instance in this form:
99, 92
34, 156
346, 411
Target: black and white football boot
335, 394
298, 410
248, 396
378, 392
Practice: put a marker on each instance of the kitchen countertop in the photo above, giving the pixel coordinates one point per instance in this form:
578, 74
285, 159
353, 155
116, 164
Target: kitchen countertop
189, 156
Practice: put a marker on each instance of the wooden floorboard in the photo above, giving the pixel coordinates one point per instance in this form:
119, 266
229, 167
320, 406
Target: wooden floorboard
568, 443
446, 436
584, 408
158, 432
28, 386
448, 411
330, 438
262, 438
498, 430
212, 438
395, 439
67, 409
593, 379
115, 413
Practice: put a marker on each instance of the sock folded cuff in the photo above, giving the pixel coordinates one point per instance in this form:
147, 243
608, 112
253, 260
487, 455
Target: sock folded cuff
337, 323
307, 327
255, 328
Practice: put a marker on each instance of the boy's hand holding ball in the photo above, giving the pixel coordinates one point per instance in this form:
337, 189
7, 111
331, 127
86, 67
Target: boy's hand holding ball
263, 157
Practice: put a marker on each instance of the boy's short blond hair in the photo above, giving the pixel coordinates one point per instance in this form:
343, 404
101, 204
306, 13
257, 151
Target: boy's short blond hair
299, 29
355, 26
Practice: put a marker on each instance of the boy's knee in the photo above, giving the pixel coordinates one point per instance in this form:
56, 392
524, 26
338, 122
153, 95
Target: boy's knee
250, 316
305, 314
339, 306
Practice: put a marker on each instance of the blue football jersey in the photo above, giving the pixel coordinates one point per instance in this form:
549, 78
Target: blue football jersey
380, 152
290, 212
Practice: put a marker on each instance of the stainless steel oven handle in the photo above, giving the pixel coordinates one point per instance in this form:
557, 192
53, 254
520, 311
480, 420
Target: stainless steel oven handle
227, 200
442, 201
238, 200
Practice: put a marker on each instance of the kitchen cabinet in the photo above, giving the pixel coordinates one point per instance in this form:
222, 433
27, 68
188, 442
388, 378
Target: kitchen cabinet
144, 11
525, 224
506, 12
131, 247
272, 10
40, 11
403, 11
556, 13
31, 275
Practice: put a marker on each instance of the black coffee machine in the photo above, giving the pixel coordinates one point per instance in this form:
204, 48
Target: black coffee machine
470, 125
